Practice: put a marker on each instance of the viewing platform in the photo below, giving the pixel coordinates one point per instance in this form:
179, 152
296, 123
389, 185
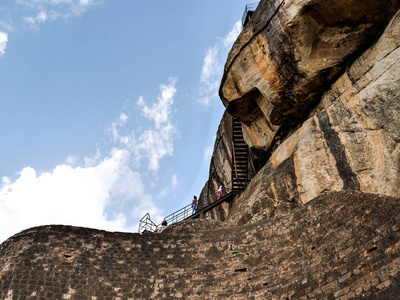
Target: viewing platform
248, 12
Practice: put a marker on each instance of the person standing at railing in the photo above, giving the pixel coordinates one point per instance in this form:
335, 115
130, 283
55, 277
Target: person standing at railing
219, 192
194, 205
164, 225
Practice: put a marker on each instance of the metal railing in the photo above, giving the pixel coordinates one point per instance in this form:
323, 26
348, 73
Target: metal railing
146, 224
187, 211
226, 189
248, 11
179, 215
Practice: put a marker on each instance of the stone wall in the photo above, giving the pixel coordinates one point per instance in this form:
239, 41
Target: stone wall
342, 245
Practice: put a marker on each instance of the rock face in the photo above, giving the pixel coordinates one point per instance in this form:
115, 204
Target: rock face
229, 149
220, 169
316, 85
289, 52
342, 245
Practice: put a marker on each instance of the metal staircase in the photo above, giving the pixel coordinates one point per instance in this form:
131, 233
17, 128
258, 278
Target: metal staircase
240, 158
240, 179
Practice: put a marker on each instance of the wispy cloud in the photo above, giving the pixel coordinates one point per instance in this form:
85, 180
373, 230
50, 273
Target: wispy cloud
174, 181
3, 42
209, 77
213, 66
40, 18
232, 35
71, 160
7, 26
207, 154
155, 143
35, 13
41, 11
160, 112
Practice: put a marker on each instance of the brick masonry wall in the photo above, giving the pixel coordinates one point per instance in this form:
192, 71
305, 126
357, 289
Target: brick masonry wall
341, 245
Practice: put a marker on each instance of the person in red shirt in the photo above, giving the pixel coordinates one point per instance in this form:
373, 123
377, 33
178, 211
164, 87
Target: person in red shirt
194, 205
219, 192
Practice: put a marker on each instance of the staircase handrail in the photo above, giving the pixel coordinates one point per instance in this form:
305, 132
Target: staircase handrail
179, 215
186, 211
234, 159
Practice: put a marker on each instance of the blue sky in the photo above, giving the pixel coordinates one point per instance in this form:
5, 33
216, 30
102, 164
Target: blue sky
108, 109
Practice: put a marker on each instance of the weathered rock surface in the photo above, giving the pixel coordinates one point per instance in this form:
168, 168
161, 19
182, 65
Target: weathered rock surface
289, 54
220, 172
343, 245
336, 127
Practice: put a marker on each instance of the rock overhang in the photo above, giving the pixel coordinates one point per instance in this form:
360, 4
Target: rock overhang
288, 55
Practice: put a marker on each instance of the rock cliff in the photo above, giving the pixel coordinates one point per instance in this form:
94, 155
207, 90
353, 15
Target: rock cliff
220, 169
316, 85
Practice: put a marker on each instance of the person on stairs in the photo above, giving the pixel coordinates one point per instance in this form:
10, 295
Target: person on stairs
219, 192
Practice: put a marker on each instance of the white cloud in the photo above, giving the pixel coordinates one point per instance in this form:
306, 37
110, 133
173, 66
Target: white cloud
154, 142
207, 154
40, 18
160, 112
50, 10
71, 160
174, 181
157, 142
212, 69
75, 196
210, 74
140, 101
91, 161
233, 34
114, 130
211, 65
94, 195
7, 26
123, 118
3, 42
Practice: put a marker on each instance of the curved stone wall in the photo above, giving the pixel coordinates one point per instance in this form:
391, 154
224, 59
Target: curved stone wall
342, 245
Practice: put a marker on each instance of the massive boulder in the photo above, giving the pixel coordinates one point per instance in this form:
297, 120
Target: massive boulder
289, 54
316, 85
